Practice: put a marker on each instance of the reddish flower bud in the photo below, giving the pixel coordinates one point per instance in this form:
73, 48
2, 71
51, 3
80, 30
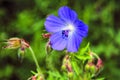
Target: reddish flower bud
69, 67
99, 64
24, 44
33, 78
47, 35
66, 64
13, 43
36, 77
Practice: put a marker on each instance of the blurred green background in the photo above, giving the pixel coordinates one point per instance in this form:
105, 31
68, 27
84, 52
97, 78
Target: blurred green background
25, 19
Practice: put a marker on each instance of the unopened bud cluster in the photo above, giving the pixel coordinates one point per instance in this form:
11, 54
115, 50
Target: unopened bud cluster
17, 43
93, 67
36, 77
67, 66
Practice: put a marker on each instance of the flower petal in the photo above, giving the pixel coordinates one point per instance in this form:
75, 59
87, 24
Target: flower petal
53, 24
74, 42
57, 41
82, 28
67, 14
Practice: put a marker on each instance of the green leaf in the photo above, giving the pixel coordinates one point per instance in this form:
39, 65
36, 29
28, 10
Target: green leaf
83, 50
33, 72
83, 53
76, 67
100, 79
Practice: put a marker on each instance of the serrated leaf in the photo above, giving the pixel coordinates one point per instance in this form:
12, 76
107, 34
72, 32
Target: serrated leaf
83, 57
83, 53
33, 72
76, 67
83, 50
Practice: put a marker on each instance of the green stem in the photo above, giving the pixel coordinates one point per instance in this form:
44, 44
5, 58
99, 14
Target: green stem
34, 58
96, 55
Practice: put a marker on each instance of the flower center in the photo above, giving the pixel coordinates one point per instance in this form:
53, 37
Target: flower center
67, 31
65, 34
70, 27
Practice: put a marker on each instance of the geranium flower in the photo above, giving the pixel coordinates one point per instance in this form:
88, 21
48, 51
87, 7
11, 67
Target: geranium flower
67, 30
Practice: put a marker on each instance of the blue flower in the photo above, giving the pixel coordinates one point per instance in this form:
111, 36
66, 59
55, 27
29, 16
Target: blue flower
67, 30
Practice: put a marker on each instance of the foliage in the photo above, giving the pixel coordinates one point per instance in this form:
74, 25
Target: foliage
25, 18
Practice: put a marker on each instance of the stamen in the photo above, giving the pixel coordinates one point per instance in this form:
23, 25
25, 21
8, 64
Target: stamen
67, 31
65, 34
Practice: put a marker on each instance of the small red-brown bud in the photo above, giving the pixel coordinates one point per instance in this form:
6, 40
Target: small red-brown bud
66, 64
99, 64
33, 78
24, 44
47, 35
14, 43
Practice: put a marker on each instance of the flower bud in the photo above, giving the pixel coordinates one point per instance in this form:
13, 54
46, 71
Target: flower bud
67, 66
21, 53
33, 78
99, 64
63, 67
90, 67
48, 47
47, 35
24, 44
87, 67
70, 74
41, 77
93, 69
13, 43
36, 77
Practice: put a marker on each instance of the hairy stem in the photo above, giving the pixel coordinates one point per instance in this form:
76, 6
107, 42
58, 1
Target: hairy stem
34, 58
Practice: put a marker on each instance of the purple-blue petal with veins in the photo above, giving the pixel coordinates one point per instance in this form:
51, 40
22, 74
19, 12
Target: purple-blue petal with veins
54, 24
57, 41
74, 43
81, 28
67, 14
